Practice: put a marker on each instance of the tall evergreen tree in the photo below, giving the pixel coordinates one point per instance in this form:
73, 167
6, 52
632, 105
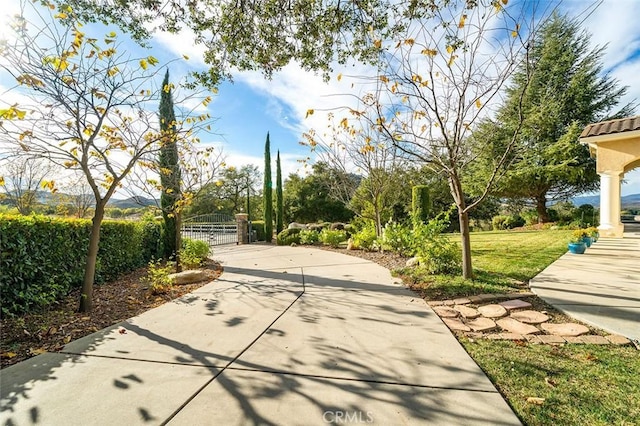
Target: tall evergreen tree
268, 192
566, 92
279, 200
169, 169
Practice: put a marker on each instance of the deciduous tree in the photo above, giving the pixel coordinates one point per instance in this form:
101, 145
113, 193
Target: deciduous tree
85, 106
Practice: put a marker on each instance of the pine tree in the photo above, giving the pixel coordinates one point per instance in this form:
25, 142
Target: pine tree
279, 200
267, 192
169, 169
567, 91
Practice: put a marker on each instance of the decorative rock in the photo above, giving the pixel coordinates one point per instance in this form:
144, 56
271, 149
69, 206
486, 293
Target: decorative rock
551, 339
435, 303
618, 340
573, 339
506, 336
414, 261
296, 225
475, 299
455, 324
530, 317
492, 311
594, 340
481, 324
513, 304
517, 327
519, 295
462, 301
448, 303
445, 312
188, 277
467, 312
487, 296
565, 329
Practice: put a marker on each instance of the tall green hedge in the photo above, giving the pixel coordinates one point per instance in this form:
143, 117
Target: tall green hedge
420, 202
43, 258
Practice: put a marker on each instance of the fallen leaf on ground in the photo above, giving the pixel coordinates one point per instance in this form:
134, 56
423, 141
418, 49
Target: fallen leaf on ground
8, 355
535, 400
550, 382
37, 351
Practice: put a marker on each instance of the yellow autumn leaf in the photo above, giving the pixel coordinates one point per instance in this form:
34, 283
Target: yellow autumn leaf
186, 58
505, 2
143, 64
409, 42
1, 180
344, 123
478, 103
449, 49
429, 52
377, 44
8, 355
463, 18
112, 34
339, 77
112, 71
152, 60
309, 112
384, 79
61, 15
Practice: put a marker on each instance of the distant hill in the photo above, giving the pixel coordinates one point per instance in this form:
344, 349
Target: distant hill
628, 201
132, 202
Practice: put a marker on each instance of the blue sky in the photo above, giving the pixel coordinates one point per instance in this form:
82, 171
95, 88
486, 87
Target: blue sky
251, 106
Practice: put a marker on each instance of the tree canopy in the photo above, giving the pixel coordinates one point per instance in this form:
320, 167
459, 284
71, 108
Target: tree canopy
566, 91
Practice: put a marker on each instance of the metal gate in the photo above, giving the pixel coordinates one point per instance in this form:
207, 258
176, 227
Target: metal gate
216, 228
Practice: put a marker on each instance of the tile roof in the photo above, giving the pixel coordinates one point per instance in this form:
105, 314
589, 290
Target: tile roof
621, 125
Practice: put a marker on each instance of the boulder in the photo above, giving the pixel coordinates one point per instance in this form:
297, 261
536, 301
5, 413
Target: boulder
414, 261
296, 225
188, 277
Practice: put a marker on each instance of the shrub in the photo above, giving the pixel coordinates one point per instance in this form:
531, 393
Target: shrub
420, 202
366, 239
43, 258
193, 253
158, 277
258, 226
288, 237
501, 222
398, 238
333, 238
436, 252
308, 236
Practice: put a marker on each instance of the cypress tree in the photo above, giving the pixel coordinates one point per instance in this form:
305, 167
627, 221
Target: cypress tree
279, 203
169, 169
420, 202
267, 192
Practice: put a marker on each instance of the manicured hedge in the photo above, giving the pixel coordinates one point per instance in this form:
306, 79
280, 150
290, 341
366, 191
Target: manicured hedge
43, 258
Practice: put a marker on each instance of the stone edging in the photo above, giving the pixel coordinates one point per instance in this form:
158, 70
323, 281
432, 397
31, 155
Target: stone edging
483, 316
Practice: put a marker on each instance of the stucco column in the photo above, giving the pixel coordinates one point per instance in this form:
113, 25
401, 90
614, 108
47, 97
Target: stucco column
610, 225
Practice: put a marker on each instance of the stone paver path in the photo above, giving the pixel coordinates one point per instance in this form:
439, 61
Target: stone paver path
492, 317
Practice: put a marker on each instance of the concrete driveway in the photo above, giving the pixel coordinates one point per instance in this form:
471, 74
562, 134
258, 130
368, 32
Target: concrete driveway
286, 336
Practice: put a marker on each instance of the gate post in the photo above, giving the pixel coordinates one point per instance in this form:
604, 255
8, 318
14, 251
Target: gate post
243, 228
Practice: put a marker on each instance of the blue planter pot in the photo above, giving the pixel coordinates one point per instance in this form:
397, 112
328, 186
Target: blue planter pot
577, 248
587, 240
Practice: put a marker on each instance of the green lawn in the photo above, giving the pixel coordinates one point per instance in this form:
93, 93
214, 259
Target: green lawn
579, 384
502, 261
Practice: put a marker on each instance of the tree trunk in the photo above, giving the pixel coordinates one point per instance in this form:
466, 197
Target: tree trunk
541, 207
463, 218
86, 296
178, 218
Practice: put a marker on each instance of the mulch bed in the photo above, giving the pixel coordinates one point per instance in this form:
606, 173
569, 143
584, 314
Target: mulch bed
24, 336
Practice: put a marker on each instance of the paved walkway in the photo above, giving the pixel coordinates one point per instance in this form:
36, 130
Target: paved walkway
286, 336
600, 287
